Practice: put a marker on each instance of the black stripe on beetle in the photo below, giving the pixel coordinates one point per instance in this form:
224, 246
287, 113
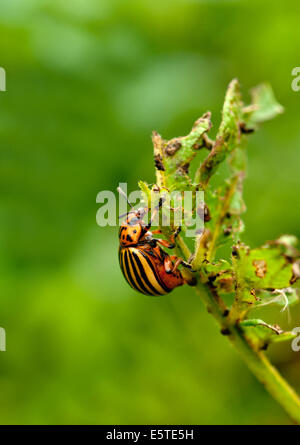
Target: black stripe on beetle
144, 276
137, 274
155, 273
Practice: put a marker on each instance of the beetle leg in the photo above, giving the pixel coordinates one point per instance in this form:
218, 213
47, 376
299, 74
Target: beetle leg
148, 226
187, 277
175, 234
154, 213
168, 264
165, 243
187, 266
179, 261
169, 244
171, 267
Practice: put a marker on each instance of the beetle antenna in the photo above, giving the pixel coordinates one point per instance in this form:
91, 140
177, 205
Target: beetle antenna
125, 196
125, 214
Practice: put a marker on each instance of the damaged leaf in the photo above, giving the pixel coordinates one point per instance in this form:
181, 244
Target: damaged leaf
264, 105
262, 334
176, 155
281, 297
266, 267
227, 136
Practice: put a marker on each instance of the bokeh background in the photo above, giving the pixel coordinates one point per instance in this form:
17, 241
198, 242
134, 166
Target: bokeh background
87, 82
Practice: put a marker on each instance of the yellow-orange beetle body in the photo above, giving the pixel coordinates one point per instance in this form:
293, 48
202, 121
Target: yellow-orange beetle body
145, 265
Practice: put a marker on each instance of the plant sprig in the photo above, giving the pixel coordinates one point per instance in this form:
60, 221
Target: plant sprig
249, 277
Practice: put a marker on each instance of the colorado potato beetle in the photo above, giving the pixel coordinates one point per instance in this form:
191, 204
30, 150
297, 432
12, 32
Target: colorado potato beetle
145, 265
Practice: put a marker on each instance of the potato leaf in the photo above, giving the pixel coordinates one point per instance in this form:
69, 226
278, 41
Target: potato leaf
262, 333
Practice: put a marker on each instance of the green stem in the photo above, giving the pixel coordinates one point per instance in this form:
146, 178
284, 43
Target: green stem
223, 208
256, 361
172, 159
268, 375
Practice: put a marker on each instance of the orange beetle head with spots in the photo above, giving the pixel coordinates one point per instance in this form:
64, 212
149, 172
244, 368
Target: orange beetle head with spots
134, 228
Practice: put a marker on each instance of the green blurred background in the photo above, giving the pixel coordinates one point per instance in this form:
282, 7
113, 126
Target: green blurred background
87, 82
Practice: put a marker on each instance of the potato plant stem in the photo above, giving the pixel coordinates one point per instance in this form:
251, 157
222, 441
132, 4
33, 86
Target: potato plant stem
256, 361
172, 160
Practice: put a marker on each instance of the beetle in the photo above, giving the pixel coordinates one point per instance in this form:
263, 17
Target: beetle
145, 265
